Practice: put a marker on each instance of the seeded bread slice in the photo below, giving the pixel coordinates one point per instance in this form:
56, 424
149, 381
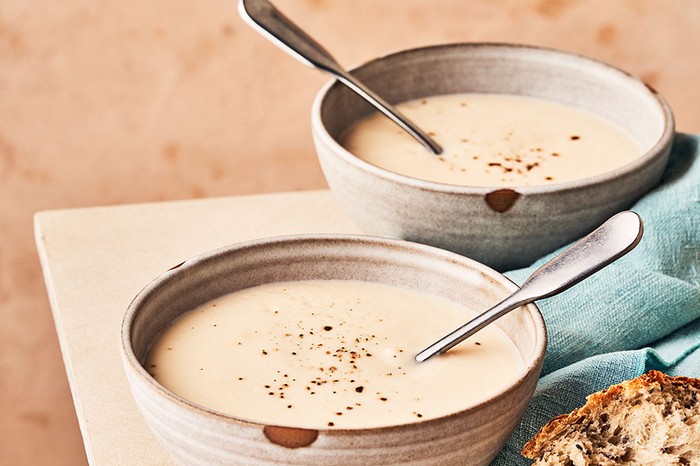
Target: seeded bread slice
653, 419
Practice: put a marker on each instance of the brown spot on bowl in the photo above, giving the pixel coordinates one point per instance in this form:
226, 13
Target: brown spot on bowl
177, 266
501, 200
290, 437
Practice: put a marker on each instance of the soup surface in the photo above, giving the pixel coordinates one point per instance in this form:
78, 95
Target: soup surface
494, 140
330, 354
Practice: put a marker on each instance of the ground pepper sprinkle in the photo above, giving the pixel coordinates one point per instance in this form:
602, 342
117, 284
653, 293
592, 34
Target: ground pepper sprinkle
346, 368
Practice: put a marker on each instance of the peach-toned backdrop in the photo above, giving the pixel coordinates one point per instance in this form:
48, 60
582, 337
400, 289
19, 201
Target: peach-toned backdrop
125, 101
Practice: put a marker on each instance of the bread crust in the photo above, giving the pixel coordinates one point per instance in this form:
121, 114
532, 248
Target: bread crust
563, 424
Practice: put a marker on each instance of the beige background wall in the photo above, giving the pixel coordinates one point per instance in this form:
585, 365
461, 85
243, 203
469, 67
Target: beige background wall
127, 101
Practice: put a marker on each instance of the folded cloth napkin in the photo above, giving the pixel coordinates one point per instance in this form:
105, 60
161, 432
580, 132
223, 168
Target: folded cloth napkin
639, 313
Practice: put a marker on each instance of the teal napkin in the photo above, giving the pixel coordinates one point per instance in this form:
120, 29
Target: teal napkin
639, 313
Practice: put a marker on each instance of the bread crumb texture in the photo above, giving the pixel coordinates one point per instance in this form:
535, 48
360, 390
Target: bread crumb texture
653, 419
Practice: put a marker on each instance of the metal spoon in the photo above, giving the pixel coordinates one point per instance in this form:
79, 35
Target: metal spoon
269, 21
612, 240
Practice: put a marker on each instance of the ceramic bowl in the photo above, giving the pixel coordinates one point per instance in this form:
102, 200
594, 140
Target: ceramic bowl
503, 228
195, 435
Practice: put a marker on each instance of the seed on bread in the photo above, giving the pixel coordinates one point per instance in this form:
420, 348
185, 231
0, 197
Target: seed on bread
653, 419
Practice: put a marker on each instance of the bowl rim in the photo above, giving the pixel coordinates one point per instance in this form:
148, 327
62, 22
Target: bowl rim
657, 150
131, 363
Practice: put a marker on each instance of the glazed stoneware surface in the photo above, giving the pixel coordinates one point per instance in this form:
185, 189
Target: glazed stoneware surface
508, 227
195, 435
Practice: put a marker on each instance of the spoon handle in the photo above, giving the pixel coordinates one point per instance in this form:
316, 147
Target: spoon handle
607, 243
612, 240
268, 20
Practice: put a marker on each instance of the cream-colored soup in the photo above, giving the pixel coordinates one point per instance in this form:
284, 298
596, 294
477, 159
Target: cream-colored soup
494, 140
330, 354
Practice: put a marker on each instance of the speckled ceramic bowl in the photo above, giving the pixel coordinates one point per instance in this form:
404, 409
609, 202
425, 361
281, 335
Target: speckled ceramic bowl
503, 228
195, 435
